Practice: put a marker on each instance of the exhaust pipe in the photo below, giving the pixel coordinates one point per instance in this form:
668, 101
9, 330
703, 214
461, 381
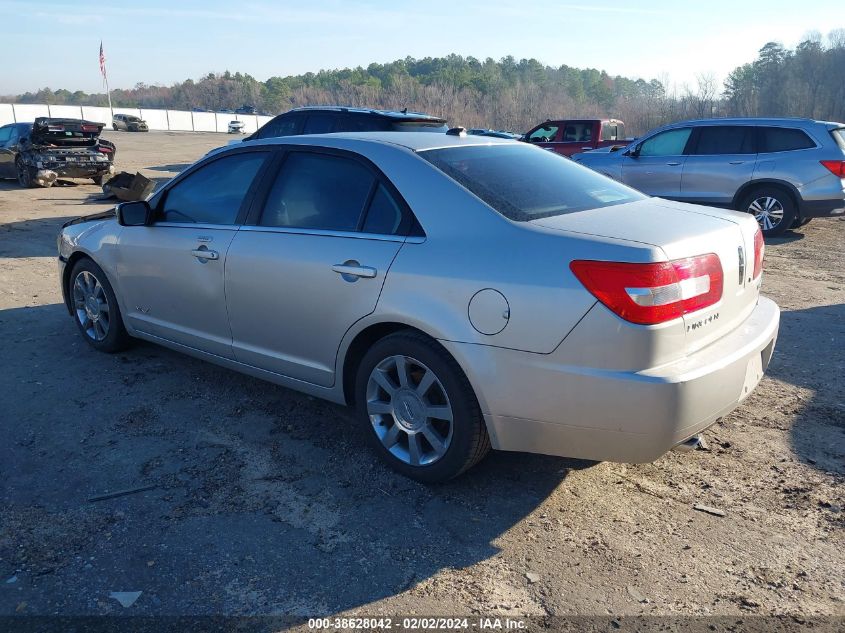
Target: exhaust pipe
688, 445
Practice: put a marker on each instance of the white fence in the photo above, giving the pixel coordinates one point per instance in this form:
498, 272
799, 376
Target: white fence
176, 120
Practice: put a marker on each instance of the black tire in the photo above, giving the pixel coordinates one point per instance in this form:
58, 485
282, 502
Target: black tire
759, 197
799, 222
468, 443
99, 180
26, 177
116, 338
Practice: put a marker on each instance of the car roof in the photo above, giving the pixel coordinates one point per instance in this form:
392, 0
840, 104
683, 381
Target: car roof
414, 141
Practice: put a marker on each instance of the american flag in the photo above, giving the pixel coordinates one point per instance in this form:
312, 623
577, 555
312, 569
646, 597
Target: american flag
102, 60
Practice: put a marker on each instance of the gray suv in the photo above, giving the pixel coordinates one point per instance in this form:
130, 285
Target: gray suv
784, 171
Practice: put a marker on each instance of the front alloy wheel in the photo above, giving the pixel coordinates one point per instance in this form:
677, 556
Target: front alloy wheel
91, 306
409, 410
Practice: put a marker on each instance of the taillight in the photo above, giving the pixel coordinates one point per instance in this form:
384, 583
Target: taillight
653, 292
90, 128
835, 166
759, 251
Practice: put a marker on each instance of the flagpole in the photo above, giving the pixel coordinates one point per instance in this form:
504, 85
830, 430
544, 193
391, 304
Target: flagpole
108, 92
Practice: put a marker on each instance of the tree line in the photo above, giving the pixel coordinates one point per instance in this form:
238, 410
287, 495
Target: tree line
511, 94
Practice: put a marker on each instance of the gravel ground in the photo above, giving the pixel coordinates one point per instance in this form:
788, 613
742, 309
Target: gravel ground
266, 501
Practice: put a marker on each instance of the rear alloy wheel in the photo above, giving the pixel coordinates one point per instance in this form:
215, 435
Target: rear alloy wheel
418, 408
95, 308
25, 176
772, 207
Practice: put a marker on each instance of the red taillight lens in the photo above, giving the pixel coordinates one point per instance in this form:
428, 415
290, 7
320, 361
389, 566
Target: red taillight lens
90, 128
759, 251
653, 292
835, 166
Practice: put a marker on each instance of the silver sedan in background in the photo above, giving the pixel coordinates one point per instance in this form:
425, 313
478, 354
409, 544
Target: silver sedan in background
461, 292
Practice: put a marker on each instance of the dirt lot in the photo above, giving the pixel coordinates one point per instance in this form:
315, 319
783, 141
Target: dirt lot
268, 502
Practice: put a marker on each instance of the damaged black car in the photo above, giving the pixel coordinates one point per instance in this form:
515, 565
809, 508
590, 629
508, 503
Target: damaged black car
39, 153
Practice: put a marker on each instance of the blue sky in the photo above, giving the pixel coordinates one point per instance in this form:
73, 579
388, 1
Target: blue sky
55, 42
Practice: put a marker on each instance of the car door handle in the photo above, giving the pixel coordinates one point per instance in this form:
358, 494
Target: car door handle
673, 164
737, 162
355, 271
203, 253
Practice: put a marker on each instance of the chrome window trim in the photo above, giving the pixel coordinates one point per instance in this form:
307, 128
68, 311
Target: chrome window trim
196, 225
292, 230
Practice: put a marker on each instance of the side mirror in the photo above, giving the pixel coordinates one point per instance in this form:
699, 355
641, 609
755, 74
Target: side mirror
633, 152
137, 213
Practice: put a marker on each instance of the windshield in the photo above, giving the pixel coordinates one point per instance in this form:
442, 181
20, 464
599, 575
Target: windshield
526, 183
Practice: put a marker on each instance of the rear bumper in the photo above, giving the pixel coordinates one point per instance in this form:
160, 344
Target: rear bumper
533, 404
823, 208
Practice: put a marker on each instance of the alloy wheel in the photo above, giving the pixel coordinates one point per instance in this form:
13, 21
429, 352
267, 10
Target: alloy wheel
91, 305
768, 211
409, 410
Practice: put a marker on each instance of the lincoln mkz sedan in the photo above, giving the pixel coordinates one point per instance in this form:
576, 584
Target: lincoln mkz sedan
461, 292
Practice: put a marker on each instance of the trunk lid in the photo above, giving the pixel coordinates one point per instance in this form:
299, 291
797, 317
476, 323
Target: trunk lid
683, 230
65, 132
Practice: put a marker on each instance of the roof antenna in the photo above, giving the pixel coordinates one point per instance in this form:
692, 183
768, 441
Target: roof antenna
405, 110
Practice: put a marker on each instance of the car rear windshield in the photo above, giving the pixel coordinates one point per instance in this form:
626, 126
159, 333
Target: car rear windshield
839, 136
527, 183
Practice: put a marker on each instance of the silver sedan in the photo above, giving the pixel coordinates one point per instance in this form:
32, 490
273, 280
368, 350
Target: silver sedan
459, 292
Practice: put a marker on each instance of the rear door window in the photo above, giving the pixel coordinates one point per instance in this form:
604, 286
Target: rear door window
356, 123
319, 124
5, 133
668, 143
286, 125
783, 139
214, 193
725, 139
318, 191
384, 216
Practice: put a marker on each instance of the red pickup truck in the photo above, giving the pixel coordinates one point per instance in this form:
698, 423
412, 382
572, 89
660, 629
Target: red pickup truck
571, 136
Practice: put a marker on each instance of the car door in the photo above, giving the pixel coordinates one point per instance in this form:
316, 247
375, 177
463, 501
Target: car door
720, 161
170, 274
7, 156
312, 263
655, 165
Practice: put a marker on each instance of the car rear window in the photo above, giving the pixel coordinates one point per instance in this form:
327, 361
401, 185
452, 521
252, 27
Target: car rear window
527, 183
839, 136
783, 139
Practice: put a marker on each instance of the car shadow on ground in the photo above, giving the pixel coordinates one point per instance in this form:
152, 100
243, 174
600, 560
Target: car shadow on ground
264, 500
789, 236
32, 238
817, 433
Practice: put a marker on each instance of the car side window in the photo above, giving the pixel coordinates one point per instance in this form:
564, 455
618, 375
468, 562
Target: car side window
543, 134
668, 143
318, 191
214, 193
363, 124
5, 133
384, 216
280, 126
319, 124
783, 139
725, 139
